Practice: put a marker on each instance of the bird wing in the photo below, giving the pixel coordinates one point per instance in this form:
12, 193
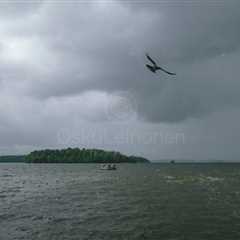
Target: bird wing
151, 68
150, 59
170, 73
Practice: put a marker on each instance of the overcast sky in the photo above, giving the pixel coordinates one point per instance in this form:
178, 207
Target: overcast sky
72, 74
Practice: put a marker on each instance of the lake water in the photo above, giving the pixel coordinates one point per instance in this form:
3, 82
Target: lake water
138, 201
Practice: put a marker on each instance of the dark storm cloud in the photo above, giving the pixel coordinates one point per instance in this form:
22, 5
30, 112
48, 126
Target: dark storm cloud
195, 29
101, 46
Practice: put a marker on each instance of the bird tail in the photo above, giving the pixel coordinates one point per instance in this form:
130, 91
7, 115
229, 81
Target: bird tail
170, 73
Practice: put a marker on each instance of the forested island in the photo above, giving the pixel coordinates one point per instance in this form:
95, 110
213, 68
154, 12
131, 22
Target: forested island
76, 155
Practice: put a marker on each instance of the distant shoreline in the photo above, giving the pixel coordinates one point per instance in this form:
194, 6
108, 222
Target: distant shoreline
22, 159
12, 159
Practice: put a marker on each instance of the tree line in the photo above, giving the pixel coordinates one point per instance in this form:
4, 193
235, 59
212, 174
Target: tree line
76, 155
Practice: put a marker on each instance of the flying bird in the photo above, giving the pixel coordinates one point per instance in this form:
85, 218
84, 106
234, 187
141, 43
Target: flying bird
155, 67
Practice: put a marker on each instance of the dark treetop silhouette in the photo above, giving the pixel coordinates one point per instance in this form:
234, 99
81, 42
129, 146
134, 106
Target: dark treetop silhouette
76, 155
155, 67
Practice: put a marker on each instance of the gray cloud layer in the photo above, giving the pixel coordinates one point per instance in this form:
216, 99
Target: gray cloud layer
68, 62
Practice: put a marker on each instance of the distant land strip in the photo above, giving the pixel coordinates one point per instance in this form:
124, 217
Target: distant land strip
74, 155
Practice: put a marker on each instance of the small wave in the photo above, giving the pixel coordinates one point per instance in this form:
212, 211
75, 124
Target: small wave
211, 179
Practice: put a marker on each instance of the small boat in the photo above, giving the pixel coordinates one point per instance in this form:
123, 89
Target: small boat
108, 166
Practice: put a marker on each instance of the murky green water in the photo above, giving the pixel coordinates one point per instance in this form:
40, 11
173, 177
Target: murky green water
149, 201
